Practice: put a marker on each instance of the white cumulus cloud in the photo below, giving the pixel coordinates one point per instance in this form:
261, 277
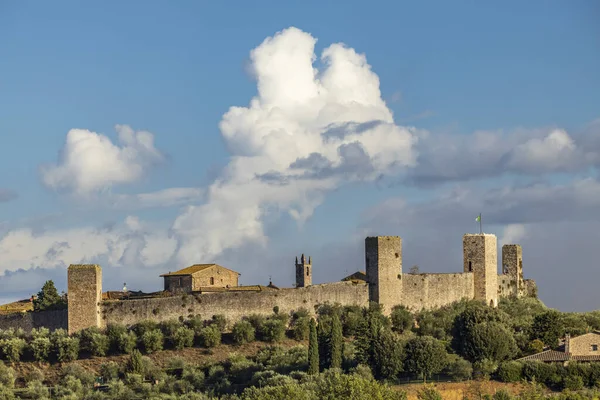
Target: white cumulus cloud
90, 161
334, 115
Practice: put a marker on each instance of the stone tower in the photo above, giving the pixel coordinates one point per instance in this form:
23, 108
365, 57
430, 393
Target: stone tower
480, 257
303, 272
512, 268
383, 258
84, 296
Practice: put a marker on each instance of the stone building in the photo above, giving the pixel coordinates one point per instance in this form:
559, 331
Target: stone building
210, 289
584, 348
198, 276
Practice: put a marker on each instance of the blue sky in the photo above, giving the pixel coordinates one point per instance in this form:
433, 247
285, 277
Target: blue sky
516, 71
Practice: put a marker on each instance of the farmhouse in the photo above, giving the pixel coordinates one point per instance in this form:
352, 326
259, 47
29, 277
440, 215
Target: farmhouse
584, 348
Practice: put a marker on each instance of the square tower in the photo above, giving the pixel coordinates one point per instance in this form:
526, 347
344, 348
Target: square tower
383, 258
84, 296
512, 268
303, 272
480, 256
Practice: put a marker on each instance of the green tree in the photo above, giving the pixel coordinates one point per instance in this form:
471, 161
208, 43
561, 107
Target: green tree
48, 298
243, 332
388, 355
402, 319
313, 349
367, 334
336, 342
489, 340
425, 356
548, 327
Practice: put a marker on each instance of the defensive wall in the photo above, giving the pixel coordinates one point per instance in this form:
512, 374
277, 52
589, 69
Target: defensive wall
51, 319
385, 284
234, 305
429, 291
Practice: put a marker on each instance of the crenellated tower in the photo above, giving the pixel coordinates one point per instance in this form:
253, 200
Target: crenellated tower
303, 272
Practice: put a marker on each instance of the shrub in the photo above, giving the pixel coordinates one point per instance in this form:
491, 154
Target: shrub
183, 337
40, 332
37, 390
34, 375
502, 394
40, 348
135, 364
195, 323
109, 370
168, 328
144, 326
272, 330
114, 332
220, 321
210, 336
573, 382
12, 349
256, 320
76, 370
7, 376
126, 342
402, 319
511, 371
153, 340
484, 368
459, 369
351, 320
429, 393
300, 328
243, 332
64, 348
94, 341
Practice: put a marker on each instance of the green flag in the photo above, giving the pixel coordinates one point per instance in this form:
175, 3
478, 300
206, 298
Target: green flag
478, 219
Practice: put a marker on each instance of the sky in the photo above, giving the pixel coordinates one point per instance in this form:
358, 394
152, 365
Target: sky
146, 136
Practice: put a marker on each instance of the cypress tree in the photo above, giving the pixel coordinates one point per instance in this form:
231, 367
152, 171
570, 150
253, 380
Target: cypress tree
336, 342
313, 349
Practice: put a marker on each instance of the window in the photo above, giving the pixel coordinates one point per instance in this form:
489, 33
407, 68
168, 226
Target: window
470, 267
179, 281
307, 271
212, 280
594, 347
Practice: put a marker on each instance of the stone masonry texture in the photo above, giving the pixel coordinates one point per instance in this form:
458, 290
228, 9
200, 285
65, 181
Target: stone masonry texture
480, 257
84, 297
303, 272
383, 257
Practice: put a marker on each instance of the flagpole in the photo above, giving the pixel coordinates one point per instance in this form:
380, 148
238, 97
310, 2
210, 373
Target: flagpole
480, 228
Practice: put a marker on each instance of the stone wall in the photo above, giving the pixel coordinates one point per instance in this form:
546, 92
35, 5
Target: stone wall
234, 305
178, 283
52, 319
221, 277
506, 286
512, 266
84, 296
582, 345
429, 291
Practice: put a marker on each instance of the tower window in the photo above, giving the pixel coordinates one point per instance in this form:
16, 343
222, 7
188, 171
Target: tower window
470, 267
212, 280
594, 347
307, 271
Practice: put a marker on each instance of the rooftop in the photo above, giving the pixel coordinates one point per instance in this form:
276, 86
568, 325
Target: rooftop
195, 268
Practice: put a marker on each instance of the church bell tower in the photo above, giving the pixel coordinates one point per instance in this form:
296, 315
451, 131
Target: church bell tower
303, 272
